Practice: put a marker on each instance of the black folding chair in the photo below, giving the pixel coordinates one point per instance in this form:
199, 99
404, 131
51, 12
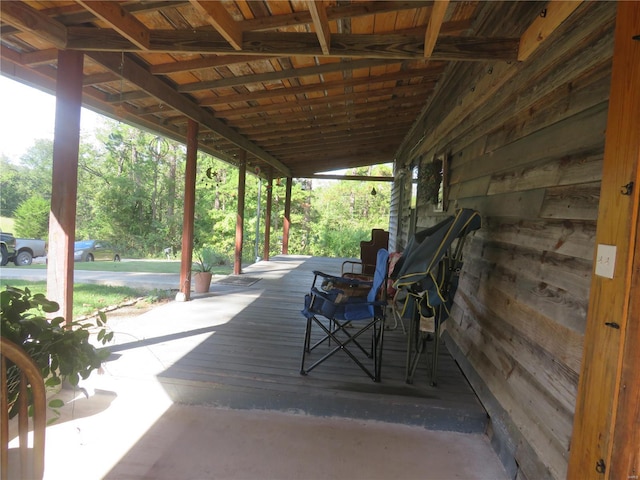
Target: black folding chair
429, 271
345, 309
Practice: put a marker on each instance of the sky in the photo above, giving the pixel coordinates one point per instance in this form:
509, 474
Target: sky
27, 114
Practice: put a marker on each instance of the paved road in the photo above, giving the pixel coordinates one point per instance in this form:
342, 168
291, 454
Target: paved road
162, 281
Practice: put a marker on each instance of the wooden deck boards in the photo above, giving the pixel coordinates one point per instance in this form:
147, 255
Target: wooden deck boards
253, 362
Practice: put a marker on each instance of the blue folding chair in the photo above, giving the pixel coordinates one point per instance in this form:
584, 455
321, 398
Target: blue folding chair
343, 318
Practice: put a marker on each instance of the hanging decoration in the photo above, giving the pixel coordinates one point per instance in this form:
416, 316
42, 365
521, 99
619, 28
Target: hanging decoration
429, 181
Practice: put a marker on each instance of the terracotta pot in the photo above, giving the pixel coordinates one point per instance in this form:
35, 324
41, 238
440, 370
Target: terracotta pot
202, 281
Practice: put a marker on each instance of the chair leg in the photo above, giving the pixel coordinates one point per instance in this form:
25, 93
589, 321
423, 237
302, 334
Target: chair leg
306, 349
434, 355
342, 346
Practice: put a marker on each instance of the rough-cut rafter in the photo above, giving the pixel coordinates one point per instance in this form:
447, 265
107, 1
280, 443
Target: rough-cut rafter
321, 24
219, 18
120, 20
433, 27
302, 87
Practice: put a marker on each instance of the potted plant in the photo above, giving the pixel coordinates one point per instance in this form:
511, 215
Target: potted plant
203, 270
62, 351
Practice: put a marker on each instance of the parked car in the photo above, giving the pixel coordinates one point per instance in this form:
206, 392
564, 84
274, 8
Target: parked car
90, 250
7, 247
27, 249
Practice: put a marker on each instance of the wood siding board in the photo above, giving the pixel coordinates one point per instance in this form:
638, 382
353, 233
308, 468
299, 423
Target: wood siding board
554, 379
569, 98
546, 449
530, 326
521, 82
517, 204
560, 342
569, 170
526, 143
574, 238
516, 441
563, 271
563, 138
553, 302
574, 202
473, 188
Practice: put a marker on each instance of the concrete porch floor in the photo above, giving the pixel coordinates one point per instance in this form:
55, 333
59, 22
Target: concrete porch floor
130, 427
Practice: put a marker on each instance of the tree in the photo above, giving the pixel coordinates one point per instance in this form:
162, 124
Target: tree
32, 218
11, 186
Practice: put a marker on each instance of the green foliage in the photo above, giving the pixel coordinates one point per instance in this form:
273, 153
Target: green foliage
32, 218
131, 193
62, 352
207, 259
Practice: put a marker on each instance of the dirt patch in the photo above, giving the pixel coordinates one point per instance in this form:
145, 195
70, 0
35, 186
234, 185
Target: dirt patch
130, 308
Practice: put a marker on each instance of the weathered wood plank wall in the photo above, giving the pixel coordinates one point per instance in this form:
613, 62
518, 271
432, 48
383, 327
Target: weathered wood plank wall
525, 144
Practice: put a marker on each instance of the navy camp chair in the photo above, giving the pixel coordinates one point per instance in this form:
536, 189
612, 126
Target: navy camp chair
428, 272
343, 310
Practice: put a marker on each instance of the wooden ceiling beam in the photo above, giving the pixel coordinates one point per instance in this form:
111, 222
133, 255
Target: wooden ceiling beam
203, 63
333, 13
327, 127
259, 134
368, 135
99, 78
359, 178
551, 16
428, 74
317, 118
130, 96
283, 75
120, 20
383, 46
26, 18
155, 87
217, 15
433, 27
356, 154
278, 75
40, 57
320, 23
333, 100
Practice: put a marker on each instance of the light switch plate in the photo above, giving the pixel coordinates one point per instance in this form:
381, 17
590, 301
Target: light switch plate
605, 260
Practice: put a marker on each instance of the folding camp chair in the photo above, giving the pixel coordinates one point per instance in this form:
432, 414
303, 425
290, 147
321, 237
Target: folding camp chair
428, 272
345, 309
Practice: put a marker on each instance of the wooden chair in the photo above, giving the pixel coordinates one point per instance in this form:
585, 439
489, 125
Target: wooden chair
368, 253
22, 462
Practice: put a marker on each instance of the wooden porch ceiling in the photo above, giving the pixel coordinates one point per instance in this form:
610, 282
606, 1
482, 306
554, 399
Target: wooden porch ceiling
302, 86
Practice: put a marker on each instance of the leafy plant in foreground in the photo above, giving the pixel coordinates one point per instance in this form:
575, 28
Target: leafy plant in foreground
62, 352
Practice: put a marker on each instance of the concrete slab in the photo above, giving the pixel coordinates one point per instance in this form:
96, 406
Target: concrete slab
128, 429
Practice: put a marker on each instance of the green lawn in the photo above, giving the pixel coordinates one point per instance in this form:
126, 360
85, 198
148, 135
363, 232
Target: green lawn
88, 298
148, 266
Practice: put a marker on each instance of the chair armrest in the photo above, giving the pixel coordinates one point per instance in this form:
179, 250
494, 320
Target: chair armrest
351, 264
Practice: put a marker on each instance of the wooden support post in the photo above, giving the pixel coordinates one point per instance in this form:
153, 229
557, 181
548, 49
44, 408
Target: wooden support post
606, 432
267, 216
66, 144
189, 208
286, 224
242, 175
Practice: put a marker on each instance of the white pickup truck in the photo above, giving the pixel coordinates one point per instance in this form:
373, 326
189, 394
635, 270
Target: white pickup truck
27, 249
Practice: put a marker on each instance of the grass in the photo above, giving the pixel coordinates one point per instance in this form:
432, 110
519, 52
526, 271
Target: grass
146, 266
88, 298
